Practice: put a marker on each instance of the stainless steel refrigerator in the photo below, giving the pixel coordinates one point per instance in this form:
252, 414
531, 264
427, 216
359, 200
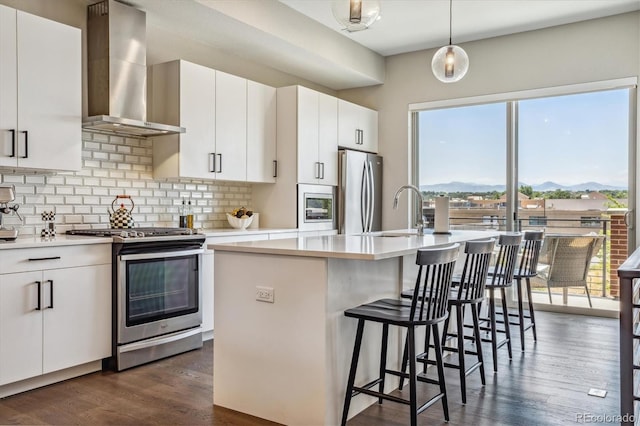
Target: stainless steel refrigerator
359, 192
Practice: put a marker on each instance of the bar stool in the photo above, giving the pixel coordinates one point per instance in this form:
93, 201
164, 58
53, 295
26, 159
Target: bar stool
468, 291
526, 270
428, 308
500, 279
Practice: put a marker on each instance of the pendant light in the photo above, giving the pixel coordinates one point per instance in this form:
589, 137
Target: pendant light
356, 15
450, 63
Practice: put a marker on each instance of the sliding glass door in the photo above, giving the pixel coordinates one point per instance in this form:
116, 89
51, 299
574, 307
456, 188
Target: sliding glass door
559, 163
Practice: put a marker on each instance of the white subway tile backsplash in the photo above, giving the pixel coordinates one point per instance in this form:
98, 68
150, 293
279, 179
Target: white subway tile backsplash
83, 190
91, 145
114, 165
72, 218
13, 179
73, 199
81, 209
64, 190
99, 137
37, 180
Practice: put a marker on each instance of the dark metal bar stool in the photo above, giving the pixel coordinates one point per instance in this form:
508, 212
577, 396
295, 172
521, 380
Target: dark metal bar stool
468, 291
527, 269
500, 279
428, 308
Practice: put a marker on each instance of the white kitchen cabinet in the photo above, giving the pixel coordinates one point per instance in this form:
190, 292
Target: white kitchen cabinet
40, 93
183, 94
230, 124
261, 133
231, 127
62, 322
307, 131
317, 128
357, 127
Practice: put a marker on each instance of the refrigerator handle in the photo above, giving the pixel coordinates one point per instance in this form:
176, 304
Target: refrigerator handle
372, 194
363, 205
369, 212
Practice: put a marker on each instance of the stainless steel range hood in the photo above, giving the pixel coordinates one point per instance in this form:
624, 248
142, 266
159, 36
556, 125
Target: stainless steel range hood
117, 72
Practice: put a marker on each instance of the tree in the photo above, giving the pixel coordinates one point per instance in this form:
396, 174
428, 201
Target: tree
526, 190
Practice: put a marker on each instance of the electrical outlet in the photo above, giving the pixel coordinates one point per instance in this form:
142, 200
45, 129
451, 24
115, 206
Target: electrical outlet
264, 294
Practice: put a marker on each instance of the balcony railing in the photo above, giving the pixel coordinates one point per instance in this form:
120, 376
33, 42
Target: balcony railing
600, 275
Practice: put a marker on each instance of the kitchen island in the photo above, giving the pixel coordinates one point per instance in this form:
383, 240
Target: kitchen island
288, 360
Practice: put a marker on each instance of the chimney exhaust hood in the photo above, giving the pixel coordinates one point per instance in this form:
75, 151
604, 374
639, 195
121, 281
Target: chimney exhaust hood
117, 72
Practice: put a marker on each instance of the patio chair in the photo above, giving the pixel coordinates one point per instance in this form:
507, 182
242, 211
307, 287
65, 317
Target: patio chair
568, 258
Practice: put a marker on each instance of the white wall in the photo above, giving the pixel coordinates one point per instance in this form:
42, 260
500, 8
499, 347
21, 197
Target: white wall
588, 51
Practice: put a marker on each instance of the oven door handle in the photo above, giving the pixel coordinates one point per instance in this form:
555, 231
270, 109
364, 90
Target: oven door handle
157, 254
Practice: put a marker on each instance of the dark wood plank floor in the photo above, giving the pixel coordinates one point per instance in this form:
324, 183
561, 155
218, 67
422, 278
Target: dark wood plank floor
545, 385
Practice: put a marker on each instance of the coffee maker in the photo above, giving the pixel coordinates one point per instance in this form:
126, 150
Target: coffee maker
7, 195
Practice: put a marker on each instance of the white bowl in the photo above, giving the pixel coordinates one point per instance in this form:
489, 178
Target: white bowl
238, 223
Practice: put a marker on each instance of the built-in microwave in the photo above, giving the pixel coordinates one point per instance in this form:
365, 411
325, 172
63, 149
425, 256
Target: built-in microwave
316, 207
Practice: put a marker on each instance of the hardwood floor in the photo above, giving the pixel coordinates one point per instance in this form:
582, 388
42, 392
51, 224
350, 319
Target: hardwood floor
545, 385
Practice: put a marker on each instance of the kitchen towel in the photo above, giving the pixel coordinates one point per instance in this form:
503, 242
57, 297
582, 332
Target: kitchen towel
441, 219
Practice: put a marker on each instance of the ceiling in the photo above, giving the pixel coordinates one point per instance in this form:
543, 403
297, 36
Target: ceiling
301, 37
410, 25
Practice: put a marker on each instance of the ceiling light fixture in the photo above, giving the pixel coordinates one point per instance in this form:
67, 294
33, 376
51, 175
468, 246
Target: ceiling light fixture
450, 63
356, 15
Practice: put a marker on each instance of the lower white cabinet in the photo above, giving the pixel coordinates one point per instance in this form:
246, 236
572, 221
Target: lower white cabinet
52, 319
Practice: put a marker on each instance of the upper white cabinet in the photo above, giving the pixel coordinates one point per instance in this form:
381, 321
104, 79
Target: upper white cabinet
184, 94
357, 127
231, 127
230, 124
261, 133
317, 130
40, 92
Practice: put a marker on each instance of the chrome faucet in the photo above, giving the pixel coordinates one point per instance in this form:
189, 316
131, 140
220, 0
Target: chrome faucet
420, 220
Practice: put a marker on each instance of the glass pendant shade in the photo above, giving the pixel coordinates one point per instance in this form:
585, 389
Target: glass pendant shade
356, 15
450, 63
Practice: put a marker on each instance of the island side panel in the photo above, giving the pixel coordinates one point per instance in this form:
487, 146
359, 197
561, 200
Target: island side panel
352, 283
269, 358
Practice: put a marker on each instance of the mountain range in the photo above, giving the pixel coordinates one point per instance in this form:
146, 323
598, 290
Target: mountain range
545, 186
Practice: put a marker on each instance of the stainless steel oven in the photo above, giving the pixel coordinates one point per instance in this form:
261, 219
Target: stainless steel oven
157, 294
316, 207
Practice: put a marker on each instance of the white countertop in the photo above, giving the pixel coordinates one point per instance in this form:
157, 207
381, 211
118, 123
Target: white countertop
59, 240
365, 247
229, 232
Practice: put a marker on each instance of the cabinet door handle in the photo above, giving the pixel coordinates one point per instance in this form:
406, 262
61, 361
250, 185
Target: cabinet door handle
220, 163
275, 168
13, 142
322, 170
317, 173
212, 162
50, 293
37, 259
38, 306
26, 143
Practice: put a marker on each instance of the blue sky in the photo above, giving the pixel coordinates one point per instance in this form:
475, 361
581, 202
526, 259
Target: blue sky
565, 139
